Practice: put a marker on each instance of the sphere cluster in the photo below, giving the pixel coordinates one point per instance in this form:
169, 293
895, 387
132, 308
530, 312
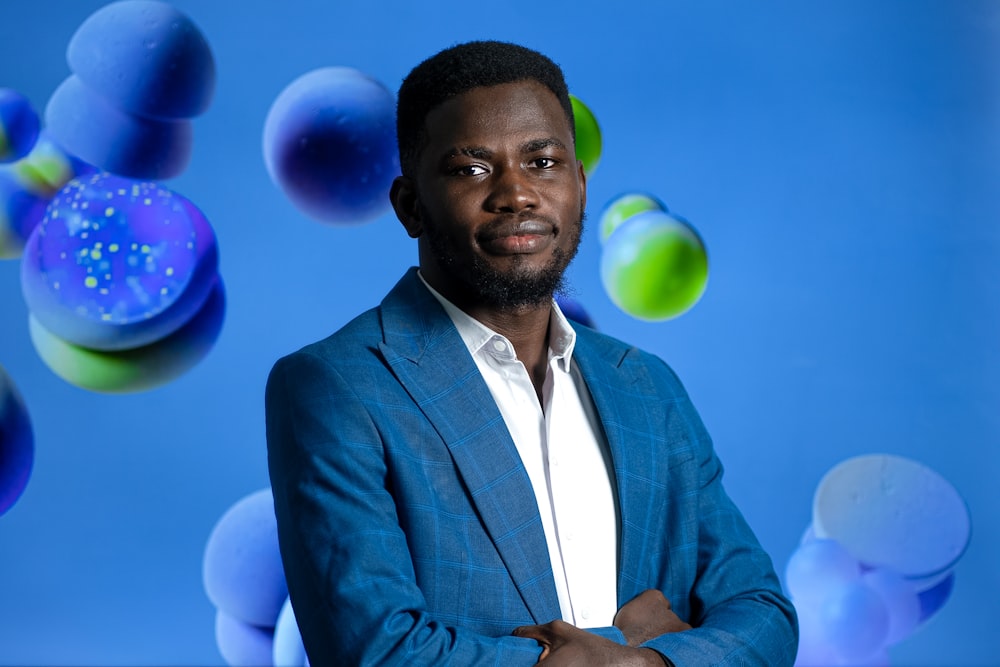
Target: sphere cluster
243, 577
141, 71
121, 278
878, 560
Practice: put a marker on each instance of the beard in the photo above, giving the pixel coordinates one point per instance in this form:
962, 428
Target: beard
512, 289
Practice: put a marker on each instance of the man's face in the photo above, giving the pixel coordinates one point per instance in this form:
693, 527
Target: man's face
499, 196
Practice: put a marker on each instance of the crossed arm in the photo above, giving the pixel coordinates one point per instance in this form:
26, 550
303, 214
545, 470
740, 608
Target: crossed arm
646, 616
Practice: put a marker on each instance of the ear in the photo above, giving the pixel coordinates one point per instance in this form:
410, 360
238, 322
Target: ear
582, 175
404, 200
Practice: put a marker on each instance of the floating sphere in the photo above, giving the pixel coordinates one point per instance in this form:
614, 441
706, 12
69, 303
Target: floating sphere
242, 644
17, 450
330, 145
900, 600
137, 369
588, 135
144, 58
855, 621
242, 570
118, 264
623, 207
816, 568
654, 267
933, 598
96, 131
27, 185
893, 512
20, 213
19, 125
288, 648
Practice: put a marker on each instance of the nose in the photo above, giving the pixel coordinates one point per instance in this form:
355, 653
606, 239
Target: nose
512, 190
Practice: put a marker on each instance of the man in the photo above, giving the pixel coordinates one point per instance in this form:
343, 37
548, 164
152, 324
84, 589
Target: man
460, 476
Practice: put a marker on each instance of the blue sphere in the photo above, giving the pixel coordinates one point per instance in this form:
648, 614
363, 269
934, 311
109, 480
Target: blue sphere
242, 644
145, 58
330, 145
19, 125
242, 570
17, 450
100, 133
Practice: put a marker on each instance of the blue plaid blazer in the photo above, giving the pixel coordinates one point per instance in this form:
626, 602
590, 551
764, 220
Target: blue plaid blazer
408, 527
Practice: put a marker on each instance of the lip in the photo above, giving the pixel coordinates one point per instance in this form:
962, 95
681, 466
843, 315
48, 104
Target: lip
517, 238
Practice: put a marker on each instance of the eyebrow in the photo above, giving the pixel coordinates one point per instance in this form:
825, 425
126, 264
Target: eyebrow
483, 153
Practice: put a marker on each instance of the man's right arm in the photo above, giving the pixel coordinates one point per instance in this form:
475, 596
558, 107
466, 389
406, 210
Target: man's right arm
348, 566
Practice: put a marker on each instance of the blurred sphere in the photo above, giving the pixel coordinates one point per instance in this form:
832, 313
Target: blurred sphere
288, 648
17, 451
900, 600
855, 621
242, 644
137, 369
20, 213
893, 512
574, 310
654, 267
588, 135
816, 568
145, 58
623, 207
933, 598
19, 125
118, 264
96, 131
242, 569
330, 145
27, 185
813, 649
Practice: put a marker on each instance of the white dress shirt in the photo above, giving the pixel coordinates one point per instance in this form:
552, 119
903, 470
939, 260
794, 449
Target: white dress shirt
563, 449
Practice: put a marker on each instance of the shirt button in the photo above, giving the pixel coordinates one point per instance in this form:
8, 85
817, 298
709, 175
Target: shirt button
585, 614
499, 345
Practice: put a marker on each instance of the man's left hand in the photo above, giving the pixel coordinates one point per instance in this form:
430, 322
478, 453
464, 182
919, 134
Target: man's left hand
565, 644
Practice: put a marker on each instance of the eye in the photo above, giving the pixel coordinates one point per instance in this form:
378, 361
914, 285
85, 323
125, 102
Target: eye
469, 170
543, 162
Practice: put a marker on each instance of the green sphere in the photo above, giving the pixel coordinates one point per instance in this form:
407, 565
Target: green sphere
654, 267
623, 207
588, 136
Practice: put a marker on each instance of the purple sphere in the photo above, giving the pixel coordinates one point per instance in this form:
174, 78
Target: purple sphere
117, 264
330, 145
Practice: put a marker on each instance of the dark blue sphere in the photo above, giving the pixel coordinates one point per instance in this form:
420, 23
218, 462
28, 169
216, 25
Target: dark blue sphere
330, 145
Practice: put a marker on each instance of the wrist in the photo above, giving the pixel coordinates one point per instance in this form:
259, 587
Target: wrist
654, 659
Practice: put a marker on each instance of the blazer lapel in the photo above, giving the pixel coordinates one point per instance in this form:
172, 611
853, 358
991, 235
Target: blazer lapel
632, 415
432, 363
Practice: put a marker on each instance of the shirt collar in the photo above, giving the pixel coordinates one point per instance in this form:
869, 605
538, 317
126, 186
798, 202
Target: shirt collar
479, 338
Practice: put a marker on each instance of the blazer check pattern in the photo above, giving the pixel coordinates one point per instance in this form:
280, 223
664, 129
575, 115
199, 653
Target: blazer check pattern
409, 530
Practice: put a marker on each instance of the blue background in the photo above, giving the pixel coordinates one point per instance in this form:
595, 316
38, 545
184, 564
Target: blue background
840, 160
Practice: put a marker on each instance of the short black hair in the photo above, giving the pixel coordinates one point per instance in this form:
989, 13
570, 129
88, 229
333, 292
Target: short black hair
459, 69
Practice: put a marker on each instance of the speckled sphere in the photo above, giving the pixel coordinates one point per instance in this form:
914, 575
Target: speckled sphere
118, 264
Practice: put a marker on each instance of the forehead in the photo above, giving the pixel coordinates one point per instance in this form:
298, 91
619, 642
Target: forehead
495, 114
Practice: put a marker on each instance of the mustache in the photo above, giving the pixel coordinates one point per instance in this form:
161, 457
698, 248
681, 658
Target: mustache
516, 224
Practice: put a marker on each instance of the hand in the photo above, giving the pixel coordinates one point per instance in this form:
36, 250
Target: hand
567, 645
647, 615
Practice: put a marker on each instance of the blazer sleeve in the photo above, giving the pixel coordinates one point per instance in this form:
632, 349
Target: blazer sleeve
736, 606
349, 571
